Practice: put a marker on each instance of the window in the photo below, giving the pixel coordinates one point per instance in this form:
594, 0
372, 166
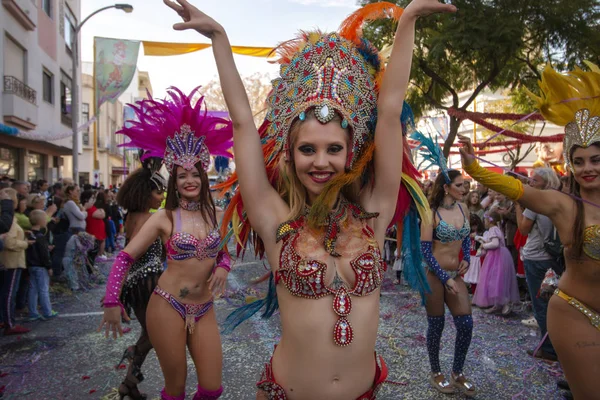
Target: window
85, 117
48, 86
70, 25
47, 7
8, 161
65, 98
35, 169
15, 59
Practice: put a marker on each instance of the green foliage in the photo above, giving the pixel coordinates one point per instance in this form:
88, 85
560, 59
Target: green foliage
493, 44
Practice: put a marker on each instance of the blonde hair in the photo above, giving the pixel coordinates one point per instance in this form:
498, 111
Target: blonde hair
291, 190
36, 217
12, 193
32, 197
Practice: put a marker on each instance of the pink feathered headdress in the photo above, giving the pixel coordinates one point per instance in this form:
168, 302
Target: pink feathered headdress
178, 132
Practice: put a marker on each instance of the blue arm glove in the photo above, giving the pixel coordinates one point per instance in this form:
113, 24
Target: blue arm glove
466, 249
427, 251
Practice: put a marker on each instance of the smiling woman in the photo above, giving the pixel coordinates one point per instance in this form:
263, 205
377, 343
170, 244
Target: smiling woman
300, 178
571, 100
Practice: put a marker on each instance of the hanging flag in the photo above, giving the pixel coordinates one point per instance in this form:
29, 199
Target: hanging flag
115, 61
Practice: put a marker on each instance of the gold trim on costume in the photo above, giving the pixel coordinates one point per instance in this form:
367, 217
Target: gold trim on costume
593, 316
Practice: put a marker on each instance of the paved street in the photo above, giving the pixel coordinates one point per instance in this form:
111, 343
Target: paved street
66, 359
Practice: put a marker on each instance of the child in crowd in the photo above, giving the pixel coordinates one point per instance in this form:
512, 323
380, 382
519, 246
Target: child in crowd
472, 275
497, 286
39, 265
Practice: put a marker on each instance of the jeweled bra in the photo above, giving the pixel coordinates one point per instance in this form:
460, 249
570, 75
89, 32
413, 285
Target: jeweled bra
304, 276
591, 241
446, 232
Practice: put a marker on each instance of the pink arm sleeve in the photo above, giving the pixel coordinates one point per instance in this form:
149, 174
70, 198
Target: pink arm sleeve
223, 260
117, 275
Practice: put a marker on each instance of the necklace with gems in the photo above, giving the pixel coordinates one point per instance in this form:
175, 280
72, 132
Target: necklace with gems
189, 205
449, 206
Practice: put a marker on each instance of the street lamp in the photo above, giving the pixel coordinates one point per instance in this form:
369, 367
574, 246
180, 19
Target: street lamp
74, 89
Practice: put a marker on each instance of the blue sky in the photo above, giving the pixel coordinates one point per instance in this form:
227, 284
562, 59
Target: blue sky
247, 22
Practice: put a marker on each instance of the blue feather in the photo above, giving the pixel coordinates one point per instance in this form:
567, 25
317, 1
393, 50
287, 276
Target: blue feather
407, 118
431, 153
241, 314
412, 263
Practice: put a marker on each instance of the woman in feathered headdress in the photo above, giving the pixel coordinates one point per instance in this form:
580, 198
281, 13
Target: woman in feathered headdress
180, 314
571, 100
443, 237
142, 191
333, 119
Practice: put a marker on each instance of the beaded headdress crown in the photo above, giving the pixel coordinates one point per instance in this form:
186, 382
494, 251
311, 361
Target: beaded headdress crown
327, 74
572, 100
177, 131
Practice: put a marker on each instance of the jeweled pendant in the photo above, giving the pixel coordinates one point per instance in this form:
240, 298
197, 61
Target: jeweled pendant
342, 332
324, 113
342, 303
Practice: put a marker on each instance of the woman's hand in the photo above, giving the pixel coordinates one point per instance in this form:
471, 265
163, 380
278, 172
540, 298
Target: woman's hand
467, 153
463, 267
194, 19
217, 281
451, 286
112, 321
423, 8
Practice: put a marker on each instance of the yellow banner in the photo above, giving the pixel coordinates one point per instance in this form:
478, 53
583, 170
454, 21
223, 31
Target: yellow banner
174, 49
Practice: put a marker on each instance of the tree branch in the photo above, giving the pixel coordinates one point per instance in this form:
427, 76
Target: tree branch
427, 94
434, 76
493, 74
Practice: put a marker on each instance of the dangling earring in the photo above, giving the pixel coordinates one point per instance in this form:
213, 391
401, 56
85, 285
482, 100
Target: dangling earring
177, 194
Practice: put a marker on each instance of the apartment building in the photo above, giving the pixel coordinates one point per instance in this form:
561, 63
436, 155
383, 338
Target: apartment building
36, 96
113, 162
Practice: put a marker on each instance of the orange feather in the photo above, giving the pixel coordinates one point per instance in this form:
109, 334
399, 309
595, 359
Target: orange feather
351, 27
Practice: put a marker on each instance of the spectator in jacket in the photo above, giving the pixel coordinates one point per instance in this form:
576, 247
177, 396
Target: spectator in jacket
12, 257
39, 265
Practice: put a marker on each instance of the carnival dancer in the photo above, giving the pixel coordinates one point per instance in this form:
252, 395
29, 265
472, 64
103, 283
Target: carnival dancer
181, 312
441, 243
142, 190
571, 100
320, 233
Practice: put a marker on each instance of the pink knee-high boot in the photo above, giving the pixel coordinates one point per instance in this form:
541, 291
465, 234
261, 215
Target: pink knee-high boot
165, 396
203, 394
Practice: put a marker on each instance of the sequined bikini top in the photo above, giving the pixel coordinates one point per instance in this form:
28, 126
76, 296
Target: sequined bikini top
303, 274
183, 245
446, 232
591, 241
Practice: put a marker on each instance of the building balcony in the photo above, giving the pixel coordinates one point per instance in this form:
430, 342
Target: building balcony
19, 103
24, 11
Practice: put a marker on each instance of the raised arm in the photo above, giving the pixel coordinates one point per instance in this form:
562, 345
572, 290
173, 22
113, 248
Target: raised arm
388, 132
550, 203
263, 204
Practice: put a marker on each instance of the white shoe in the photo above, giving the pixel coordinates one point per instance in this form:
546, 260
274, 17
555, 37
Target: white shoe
531, 322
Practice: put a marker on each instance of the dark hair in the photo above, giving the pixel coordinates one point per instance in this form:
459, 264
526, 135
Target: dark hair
100, 200
579, 225
134, 195
20, 198
493, 217
475, 220
85, 196
207, 206
58, 202
437, 193
57, 186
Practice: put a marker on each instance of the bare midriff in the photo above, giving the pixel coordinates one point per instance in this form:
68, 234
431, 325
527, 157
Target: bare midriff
187, 280
581, 280
447, 254
308, 364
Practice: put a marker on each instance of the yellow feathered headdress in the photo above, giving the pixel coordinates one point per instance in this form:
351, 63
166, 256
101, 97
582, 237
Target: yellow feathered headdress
572, 100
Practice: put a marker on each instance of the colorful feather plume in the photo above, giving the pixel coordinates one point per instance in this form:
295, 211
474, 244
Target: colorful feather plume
159, 126
432, 153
